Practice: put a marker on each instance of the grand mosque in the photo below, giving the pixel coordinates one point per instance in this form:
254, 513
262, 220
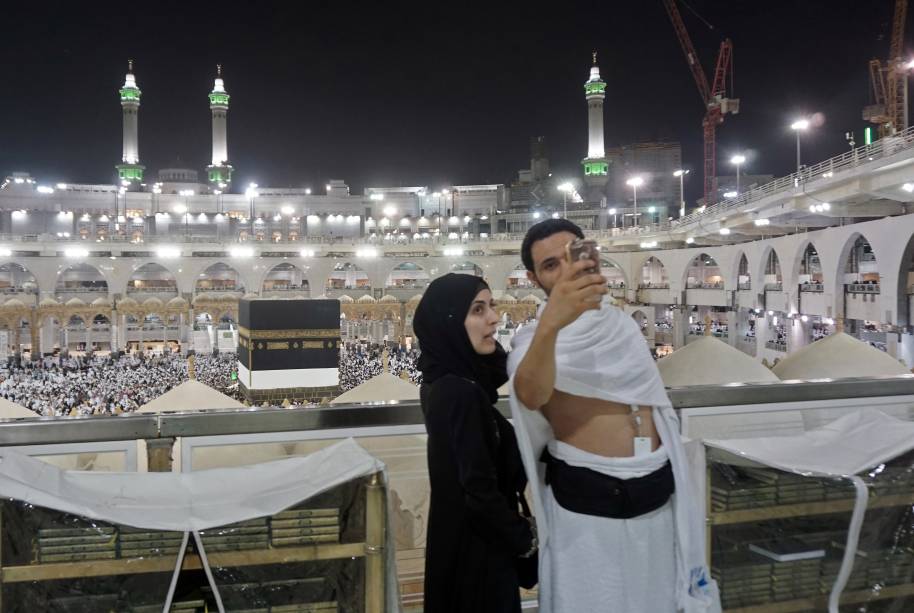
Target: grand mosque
154, 261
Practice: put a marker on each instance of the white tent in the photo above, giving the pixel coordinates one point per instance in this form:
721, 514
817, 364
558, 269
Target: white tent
11, 410
710, 361
382, 388
836, 356
190, 396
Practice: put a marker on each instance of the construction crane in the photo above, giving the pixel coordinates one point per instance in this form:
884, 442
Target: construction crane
714, 97
889, 82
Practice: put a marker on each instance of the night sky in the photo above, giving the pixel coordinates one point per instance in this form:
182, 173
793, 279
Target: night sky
449, 93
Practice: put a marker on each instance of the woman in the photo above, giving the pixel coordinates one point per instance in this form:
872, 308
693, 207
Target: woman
477, 538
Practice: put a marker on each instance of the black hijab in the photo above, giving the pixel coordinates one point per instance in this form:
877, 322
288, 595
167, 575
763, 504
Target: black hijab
444, 344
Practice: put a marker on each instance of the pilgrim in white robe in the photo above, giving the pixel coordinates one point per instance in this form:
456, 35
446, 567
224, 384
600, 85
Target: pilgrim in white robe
654, 562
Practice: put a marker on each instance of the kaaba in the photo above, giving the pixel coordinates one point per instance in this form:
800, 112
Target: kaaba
288, 349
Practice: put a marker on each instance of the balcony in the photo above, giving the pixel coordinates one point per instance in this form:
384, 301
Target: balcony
862, 288
227, 438
776, 346
812, 287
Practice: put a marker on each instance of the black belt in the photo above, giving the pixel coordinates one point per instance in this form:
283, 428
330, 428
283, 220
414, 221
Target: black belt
587, 491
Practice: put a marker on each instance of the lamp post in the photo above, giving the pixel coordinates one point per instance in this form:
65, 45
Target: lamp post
799, 126
681, 173
737, 160
635, 182
565, 188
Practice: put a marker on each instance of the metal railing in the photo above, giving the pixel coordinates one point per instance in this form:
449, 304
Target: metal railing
654, 286
776, 345
705, 286
774, 287
862, 288
744, 286
812, 287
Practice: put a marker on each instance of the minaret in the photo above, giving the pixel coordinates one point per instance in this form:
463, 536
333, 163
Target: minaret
130, 168
220, 171
596, 167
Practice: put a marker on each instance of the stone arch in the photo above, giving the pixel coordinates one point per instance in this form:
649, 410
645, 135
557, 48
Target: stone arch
136, 284
407, 275
613, 271
807, 264
517, 278
853, 255
219, 277
653, 274
742, 279
642, 320
348, 276
769, 270
467, 267
81, 277
284, 278
702, 272
14, 277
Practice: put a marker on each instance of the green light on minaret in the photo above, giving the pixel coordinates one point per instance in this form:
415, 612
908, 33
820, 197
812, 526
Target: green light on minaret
130, 92
219, 98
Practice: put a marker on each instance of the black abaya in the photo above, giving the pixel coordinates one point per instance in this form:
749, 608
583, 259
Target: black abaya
476, 533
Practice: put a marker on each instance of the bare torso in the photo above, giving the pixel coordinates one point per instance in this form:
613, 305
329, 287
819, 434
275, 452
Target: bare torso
597, 426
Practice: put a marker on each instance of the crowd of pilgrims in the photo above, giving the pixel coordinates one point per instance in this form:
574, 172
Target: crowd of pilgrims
360, 361
83, 385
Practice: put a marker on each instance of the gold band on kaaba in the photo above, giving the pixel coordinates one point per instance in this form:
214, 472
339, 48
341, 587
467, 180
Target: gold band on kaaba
264, 335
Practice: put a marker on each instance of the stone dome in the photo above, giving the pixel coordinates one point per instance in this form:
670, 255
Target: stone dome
837, 356
710, 361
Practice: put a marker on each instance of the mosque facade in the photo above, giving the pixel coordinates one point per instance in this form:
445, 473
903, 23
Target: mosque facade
124, 265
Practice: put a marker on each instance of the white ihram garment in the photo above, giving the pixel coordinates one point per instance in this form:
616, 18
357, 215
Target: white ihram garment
603, 355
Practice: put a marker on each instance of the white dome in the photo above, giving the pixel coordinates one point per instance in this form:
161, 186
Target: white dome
75, 302
838, 356
366, 299
710, 361
346, 299
101, 302
507, 299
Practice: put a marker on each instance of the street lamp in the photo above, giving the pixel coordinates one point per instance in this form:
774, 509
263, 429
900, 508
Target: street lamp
565, 188
635, 183
681, 173
251, 193
799, 126
737, 160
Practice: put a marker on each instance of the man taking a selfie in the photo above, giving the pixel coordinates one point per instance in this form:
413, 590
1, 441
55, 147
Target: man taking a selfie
618, 528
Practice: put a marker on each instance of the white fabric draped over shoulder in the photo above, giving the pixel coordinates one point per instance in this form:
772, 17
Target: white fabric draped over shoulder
604, 355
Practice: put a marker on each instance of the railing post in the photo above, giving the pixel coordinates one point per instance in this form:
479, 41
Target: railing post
375, 549
158, 454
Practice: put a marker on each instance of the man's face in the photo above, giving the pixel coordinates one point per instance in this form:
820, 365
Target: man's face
548, 259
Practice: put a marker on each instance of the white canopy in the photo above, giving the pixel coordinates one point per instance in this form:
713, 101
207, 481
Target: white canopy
382, 388
190, 395
710, 361
836, 356
11, 410
193, 501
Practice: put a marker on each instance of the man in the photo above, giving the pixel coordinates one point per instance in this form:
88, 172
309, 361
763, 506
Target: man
605, 462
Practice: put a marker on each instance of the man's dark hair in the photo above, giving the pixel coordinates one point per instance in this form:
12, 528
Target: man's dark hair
545, 229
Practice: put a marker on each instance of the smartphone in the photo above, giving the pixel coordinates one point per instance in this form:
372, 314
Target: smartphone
583, 249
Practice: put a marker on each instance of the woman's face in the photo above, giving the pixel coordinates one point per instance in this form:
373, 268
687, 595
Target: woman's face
481, 322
